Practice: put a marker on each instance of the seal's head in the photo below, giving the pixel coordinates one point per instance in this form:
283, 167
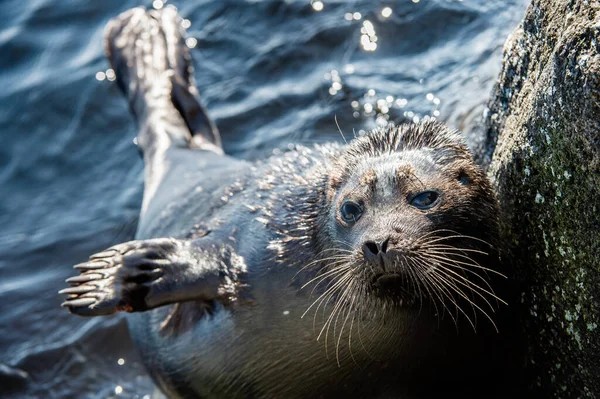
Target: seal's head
410, 218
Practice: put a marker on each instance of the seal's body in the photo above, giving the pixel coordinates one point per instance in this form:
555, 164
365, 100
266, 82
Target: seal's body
357, 271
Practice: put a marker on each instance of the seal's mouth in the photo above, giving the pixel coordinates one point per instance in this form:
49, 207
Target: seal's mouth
393, 286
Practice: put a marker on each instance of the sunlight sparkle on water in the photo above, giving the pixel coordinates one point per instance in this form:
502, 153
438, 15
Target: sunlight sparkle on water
317, 5
100, 76
121, 361
386, 12
157, 4
191, 42
368, 37
368, 28
118, 389
186, 23
336, 84
110, 75
357, 16
401, 102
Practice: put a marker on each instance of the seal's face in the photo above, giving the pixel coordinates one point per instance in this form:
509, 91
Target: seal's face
411, 219
397, 214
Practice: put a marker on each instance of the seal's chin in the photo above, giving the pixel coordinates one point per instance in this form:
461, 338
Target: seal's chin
393, 286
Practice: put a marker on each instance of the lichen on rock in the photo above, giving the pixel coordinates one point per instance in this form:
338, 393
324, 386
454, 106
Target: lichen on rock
543, 126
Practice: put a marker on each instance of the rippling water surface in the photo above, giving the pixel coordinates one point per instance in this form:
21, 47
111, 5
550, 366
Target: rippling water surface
270, 73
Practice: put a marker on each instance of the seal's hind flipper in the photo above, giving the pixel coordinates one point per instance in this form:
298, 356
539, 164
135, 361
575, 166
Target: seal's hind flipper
185, 94
153, 68
140, 275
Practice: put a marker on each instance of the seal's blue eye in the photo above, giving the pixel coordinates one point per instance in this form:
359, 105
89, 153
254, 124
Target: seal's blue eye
350, 211
425, 200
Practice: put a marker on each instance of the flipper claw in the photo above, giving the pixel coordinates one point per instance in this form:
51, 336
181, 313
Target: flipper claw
92, 265
84, 278
80, 302
80, 289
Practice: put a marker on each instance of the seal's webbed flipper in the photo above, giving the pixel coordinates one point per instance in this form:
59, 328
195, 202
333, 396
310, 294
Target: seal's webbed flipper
142, 275
153, 68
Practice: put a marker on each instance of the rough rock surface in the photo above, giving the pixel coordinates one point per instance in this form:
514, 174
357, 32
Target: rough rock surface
543, 126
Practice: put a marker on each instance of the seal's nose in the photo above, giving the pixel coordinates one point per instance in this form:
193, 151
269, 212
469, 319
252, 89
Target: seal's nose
373, 249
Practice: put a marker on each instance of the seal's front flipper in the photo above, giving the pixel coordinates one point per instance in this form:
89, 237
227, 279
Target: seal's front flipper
142, 275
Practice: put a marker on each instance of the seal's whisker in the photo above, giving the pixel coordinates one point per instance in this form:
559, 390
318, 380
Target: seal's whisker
414, 276
331, 289
473, 288
442, 261
450, 282
331, 278
333, 249
335, 309
326, 298
339, 128
472, 262
468, 263
449, 263
347, 244
349, 311
338, 306
444, 284
435, 233
457, 265
457, 278
438, 239
338, 249
360, 339
322, 260
361, 318
435, 287
452, 248
339, 302
350, 340
330, 273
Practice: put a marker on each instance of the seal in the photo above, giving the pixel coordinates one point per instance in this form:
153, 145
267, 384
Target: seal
364, 270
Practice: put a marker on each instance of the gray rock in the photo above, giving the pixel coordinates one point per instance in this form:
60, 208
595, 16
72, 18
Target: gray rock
543, 127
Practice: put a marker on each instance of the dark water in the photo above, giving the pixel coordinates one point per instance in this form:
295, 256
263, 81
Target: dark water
70, 176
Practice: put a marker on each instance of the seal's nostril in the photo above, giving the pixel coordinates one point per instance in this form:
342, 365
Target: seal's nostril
384, 245
371, 248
